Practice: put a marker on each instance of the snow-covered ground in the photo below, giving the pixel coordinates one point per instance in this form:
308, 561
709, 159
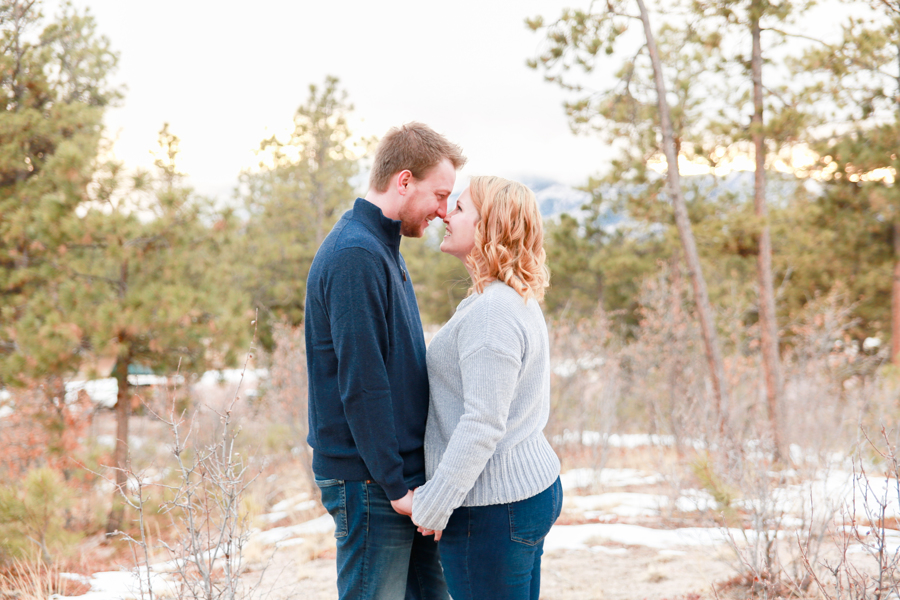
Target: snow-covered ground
833, 490
104, 391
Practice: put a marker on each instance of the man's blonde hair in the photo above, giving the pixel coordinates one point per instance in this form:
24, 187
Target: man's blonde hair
509, 238
414, 146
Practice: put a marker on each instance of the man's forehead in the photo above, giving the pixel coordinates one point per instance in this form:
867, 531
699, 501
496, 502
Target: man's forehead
446, 187
448, 179
442, 175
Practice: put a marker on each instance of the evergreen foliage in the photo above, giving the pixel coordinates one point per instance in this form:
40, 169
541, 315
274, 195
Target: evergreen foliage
32, 513
819, 238
855, 87
54, 78
143, 277
292, 199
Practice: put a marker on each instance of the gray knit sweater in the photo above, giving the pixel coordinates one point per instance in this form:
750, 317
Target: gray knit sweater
489, 374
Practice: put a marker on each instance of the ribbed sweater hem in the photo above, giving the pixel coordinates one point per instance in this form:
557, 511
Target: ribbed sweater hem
523, 471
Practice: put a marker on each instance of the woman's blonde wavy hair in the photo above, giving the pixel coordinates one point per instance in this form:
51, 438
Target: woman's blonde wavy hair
509, 238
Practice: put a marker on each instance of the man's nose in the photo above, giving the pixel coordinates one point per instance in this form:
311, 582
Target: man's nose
442, 209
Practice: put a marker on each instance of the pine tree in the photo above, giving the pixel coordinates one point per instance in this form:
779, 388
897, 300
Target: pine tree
638, 110
858, 84
776, 120
54, 78
292, 199
838, 240
144, 281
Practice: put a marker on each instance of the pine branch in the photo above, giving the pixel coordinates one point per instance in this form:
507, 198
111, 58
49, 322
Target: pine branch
892, 7
799, 36
777, 95
625, 15
86, 276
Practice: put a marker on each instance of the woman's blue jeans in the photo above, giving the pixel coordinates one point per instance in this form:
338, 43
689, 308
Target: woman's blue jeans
380, 554
495, 551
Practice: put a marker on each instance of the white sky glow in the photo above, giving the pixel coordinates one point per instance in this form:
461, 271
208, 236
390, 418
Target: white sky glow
226, 75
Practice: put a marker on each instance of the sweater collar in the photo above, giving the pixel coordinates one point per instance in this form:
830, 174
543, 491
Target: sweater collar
387, 230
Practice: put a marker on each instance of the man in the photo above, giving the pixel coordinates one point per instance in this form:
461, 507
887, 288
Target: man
368, 383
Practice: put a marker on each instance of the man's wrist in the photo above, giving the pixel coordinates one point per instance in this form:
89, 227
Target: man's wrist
396, 491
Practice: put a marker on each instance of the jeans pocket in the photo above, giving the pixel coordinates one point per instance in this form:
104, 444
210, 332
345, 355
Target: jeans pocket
334, 498
557, 491
530, 520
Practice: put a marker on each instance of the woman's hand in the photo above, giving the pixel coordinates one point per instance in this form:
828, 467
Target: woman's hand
436, 534
422, 530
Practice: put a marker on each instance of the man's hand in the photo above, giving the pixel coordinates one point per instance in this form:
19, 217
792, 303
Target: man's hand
404, 504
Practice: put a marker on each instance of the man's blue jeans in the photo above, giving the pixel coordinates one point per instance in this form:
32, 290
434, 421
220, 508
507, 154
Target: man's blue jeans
495, 551
380, 555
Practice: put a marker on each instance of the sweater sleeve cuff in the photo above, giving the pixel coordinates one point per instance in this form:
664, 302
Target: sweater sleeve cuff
434, 502
395, 491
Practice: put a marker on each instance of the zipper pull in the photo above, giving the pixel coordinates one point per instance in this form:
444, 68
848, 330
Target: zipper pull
403, 271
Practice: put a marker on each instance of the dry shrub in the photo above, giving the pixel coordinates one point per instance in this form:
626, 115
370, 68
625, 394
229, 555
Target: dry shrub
651, 379
204, 503
43, 429
45, 499
286, 397
866, 525
666, 381
274, 423
584, 389
830, 375
654, 379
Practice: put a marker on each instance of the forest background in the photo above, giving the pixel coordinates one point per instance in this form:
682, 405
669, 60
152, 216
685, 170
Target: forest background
776, 294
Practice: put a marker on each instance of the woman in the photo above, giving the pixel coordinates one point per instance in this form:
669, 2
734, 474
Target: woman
493, 488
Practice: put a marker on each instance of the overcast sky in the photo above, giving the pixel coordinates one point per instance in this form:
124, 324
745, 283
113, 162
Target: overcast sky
227, 74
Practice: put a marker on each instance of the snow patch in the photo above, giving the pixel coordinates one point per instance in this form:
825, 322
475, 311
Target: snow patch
639, 505
292, 502
581, 478
575, 537
323, 524
116, 585
628, 441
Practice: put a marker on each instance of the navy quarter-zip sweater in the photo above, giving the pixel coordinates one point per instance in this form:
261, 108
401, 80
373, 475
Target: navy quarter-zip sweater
365, 356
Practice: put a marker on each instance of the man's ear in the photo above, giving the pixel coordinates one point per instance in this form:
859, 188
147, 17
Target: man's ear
403, 180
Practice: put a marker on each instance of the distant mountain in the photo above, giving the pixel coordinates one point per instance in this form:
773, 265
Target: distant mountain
780, 187
556, 198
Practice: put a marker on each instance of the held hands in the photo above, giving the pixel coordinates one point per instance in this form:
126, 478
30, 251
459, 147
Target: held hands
436, 533
403, 506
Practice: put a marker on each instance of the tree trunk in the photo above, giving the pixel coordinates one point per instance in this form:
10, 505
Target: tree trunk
895, 285
895, 298
692, 260
123, 411
768, 326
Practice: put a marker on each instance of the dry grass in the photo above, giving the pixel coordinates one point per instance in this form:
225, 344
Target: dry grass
35, 580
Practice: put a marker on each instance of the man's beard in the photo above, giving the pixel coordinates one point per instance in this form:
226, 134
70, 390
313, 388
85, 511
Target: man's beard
410, 224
